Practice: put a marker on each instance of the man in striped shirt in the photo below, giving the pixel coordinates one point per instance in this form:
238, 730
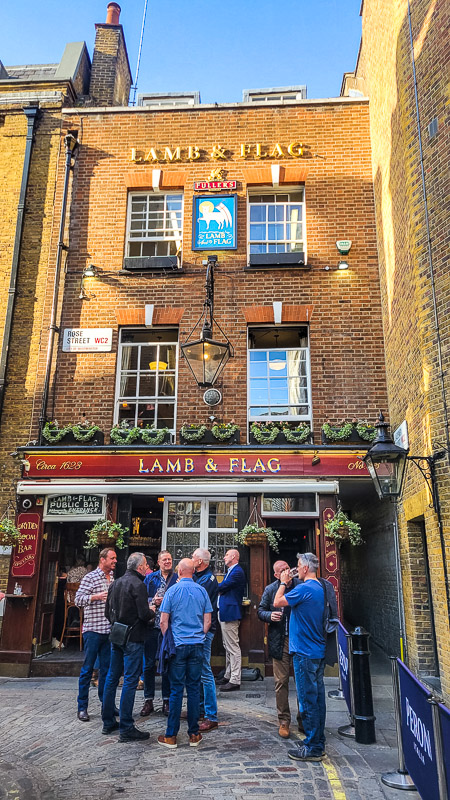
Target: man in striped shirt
91, 597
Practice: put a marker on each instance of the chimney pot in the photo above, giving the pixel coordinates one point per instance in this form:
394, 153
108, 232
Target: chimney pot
113, 14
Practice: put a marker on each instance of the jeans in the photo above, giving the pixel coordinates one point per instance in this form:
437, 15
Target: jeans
311, 699
127, 659
96, 645
151, 647
209, 704
185, 669
281, 669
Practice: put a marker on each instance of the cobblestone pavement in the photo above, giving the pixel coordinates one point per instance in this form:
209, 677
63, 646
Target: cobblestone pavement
47, 754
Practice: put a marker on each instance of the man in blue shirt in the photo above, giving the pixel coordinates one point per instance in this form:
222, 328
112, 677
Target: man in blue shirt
187, 608
307, 643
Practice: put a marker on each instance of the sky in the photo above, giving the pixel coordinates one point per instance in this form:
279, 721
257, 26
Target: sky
218, 48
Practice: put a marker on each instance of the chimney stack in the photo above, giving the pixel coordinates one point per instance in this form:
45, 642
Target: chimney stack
113, 14
110, 74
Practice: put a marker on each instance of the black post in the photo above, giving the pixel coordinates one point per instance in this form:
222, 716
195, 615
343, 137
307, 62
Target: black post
364, 719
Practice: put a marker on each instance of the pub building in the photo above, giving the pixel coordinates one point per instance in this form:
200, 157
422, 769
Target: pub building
221, 267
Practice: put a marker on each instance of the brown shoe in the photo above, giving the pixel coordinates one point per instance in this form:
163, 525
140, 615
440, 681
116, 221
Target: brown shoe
284, 731
230, 687
147, 708
140, 685
208, 725
195, 739
168, 741
94, 679
165, 708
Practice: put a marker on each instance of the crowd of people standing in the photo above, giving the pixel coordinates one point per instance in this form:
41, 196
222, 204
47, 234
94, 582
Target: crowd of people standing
165, 621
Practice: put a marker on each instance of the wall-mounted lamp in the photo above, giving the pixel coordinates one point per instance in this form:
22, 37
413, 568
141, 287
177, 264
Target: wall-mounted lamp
343, 265
91, 271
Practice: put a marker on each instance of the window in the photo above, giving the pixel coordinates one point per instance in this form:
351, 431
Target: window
147, 378
289, 505
155, 225
201, 522
279, 383
276, 222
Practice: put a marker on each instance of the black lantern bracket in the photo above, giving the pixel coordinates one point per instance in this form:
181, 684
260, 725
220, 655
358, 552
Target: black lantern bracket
426, 465
206, 357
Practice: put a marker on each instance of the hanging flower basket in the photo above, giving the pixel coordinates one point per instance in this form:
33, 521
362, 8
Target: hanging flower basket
104, 533
254, 533
10, 536
343, 529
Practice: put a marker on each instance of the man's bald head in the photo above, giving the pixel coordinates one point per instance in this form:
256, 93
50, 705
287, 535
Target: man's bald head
278, 568
231, 558
186, 568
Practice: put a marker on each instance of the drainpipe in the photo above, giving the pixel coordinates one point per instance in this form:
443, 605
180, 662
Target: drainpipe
70, 143
30, 113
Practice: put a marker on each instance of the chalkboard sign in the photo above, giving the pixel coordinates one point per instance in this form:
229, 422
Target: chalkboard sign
74, 506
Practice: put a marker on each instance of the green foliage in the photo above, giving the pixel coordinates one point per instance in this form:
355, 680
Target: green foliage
264, 432
10, 536
343, 529
105, 528
192, 432
338, 433
272, 536
224, 430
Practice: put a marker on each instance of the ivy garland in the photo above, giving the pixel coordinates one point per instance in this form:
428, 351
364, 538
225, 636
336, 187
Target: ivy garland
53, 433
264, 434
224, 430
366, 431
336, 433
84, 432
298, 434
122, 434
193, 433
153, 435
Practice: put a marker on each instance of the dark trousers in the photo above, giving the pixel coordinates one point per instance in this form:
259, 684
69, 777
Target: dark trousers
96, 645
151, 648
127, 659
311, 700
185, 669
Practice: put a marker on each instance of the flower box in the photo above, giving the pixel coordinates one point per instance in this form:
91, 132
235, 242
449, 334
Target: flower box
69, 440
352, 438
209, 439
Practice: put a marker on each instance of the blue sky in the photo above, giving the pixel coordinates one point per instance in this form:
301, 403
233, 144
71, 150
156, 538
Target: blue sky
218, 48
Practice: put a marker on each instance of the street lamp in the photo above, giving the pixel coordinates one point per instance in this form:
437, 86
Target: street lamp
206, 357
386, 462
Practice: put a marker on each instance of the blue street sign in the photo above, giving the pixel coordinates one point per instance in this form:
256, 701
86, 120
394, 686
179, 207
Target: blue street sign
214, 222
417, 734
343, 664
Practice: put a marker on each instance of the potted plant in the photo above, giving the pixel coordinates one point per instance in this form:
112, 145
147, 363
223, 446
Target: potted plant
124, 433
154, 436
80, 432
354, 431
104, 532
10, 536
255, 533
264, 432
296, 435
366, 431
53, 433
343, 529
192, 432
226, 432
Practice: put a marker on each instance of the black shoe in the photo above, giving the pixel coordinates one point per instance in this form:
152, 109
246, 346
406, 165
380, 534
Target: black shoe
165, 708
302, 753
110, 728
230, 687
83, 715
221, 681
133, 735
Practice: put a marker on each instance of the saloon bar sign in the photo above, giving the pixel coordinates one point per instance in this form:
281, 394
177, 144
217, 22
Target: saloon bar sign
191, 464
74, 506
24, 554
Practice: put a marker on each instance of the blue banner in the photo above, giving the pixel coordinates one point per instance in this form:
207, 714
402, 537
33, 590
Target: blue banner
214, 223
444, 718
417, 734
343, 664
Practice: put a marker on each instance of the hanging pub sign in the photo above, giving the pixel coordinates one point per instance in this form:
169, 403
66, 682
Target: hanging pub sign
67, 507
214, 224
417, 733
23, 563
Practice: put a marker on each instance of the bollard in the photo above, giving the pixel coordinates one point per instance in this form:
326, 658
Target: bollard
337, 694
400, 779
349, 730
442, 779
364, 719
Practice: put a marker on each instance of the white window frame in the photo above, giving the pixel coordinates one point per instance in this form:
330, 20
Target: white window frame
204, 516
129, 240
291, 514
279, 417
291, 189
136, 399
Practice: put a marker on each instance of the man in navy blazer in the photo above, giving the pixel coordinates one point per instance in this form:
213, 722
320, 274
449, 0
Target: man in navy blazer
231, 592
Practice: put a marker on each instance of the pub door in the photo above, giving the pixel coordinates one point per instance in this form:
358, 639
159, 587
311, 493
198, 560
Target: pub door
48, 586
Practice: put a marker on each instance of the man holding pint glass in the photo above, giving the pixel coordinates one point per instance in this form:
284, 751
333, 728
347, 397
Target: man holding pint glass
278, 640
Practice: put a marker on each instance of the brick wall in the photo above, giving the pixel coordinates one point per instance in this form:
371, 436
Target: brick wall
110, 75
346, 332
412, 353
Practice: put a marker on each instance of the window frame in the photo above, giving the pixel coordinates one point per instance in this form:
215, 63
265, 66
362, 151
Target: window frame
139, 399
284, 417
291, 189
154, 239
292, 514
203, 529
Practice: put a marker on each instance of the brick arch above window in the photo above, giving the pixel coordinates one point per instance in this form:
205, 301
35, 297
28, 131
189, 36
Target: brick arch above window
265, 314
262, 176
167, 179
169, 315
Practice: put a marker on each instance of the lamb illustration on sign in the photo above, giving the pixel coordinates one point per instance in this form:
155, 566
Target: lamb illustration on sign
219, 214
214, 222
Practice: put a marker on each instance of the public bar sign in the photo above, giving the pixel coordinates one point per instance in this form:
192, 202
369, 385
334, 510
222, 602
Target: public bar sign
74, 506
191, 464
417, 733
87, 340
24, 554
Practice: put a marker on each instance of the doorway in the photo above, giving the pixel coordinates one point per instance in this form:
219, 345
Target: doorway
298, 536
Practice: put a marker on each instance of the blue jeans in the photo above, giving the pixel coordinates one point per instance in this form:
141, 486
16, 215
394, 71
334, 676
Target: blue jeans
151, 647
127, 659
311, 700
209, 705
96, 646
185, 669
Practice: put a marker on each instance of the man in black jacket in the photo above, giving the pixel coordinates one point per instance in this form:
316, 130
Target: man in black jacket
127, 603
278, 641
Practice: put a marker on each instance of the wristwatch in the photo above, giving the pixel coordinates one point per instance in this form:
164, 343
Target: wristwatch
282, 583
